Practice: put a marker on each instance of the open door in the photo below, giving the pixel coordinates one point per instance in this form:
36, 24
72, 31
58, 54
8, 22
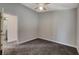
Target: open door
0, 34
10, 27
8, 30
2, 31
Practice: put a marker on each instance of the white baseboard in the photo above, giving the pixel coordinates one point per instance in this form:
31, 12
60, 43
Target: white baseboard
48, 40
59, 42
78, 49
26, 41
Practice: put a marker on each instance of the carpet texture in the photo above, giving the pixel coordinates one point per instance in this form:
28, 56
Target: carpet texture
41, 47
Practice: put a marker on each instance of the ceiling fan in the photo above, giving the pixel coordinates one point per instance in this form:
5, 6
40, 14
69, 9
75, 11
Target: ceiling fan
41, 7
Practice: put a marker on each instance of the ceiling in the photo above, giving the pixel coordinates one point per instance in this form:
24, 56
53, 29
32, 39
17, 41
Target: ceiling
52, 6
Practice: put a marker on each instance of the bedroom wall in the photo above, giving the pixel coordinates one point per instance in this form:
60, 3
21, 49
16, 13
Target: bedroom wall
27, 24
78, 29
27, 20
59, 26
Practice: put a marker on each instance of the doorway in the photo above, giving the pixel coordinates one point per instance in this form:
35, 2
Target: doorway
3, 31
0, 34
8, 28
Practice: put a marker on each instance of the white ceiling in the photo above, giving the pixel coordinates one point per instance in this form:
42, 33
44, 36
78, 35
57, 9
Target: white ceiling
53, 6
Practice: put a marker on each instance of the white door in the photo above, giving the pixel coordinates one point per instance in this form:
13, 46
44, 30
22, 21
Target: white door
10, 26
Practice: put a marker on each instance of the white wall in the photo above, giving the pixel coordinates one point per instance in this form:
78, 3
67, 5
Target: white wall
59, 26
27, 20
78, 29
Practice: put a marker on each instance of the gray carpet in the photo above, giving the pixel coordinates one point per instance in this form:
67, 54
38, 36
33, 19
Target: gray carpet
41, 47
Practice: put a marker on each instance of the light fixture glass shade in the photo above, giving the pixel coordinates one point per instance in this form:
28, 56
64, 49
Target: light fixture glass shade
41, 8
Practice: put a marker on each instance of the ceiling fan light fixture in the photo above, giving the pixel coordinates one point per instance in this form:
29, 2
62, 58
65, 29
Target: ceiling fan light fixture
41, 7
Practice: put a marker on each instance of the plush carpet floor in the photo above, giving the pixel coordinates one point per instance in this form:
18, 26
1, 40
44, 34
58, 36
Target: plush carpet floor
41, 47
